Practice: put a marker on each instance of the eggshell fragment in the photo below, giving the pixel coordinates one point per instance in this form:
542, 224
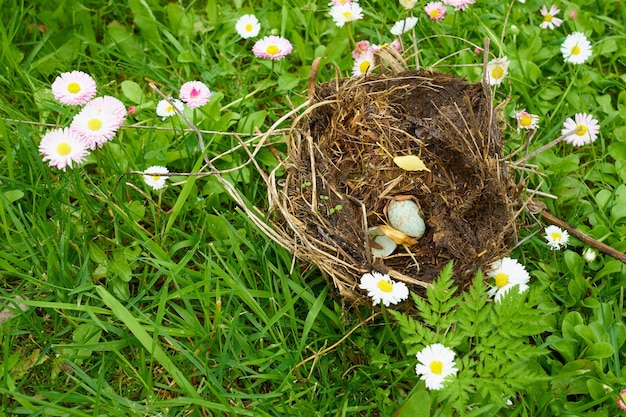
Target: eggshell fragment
405, 216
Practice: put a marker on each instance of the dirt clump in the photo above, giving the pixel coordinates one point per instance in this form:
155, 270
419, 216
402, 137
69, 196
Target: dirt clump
341, 174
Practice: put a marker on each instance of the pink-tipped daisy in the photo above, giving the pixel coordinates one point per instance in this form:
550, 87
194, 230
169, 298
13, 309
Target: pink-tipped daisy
361, 48
74, 88
99, 120
585, 126
345, 13
459, 5
194, 94
550, 21
339, 2
435, 10
620, 400
526, 120
248, 26
62, 148
363, 65
272, 47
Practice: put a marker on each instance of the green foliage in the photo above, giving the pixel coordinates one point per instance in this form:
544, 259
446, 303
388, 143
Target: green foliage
495, 342
117, 299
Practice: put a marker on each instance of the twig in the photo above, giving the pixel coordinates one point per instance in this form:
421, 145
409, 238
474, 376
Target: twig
539, 207
546, 146
588, 240
334, 345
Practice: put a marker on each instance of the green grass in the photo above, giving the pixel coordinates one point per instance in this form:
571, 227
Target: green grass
174, 303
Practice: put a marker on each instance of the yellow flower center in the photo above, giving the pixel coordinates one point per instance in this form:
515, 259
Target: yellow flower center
436, 367
575, 50
501, 279
497, 73
547, 18
94, 124
249, 27
556, 237
64, 149
581, 130
384, 286
272, 50
156, 177
347, 14
364, 66
73, 88
435, 13
525, 120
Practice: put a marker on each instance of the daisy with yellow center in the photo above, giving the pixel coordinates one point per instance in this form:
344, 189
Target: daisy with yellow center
62, 148
152, 178
507, 273
586, 129
165, 109
344, 13
99, 120
363, 65
403, 26
272, 47
248, 26
408, 4
497, 69
550, 21
436, 364
576, 48
383, 289
556, 237
435, 10
74, 88
526, 120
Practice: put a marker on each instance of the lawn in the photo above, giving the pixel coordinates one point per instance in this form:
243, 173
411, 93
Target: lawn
124, 294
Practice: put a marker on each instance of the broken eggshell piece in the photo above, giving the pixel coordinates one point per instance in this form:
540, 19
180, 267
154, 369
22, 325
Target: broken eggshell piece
405, 216
380, 245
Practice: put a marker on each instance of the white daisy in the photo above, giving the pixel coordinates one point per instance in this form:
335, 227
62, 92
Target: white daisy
526, 120
403, 26
99, 120
345, 13
508, 273
576, 48
74, 88
496, 70
436, 363
557, 238
165, 109
382, 288
550, 21
408, 4
363, 64
152, 178
590, 254
248, 26
585, 126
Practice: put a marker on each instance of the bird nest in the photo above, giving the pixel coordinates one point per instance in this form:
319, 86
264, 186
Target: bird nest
341, 176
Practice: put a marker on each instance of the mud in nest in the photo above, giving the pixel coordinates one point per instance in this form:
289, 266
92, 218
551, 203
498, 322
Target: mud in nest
341, 175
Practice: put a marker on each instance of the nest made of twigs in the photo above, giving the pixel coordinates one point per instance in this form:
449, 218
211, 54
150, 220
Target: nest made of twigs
340, 174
